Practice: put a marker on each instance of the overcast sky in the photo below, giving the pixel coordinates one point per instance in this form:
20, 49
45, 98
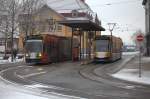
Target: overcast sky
128, 14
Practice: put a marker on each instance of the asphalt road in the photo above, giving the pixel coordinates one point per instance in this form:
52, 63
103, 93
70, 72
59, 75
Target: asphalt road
75, 80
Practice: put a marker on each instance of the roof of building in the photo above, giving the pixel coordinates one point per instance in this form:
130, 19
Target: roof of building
48, 7
45, 6
66, 6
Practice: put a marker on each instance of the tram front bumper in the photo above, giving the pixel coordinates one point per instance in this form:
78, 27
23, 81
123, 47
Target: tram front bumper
33, 60
102, 56
106, 59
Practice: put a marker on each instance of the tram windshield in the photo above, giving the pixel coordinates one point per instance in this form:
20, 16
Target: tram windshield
34, 46
102, 45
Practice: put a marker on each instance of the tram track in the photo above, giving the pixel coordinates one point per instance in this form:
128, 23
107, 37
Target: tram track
121, 90
27, 84
47, 89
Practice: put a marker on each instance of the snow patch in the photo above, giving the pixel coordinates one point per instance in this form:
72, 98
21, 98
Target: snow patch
2, 61
133, 76
130, 53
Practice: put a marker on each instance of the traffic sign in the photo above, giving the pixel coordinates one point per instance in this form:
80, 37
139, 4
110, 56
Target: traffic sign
140, 38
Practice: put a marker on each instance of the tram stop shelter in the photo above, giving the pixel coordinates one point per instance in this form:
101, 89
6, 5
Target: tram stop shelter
86, 31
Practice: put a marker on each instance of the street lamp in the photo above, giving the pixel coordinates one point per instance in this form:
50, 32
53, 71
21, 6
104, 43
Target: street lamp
111, 28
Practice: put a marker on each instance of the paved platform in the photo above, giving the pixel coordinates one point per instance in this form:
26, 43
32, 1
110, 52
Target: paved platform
131, 71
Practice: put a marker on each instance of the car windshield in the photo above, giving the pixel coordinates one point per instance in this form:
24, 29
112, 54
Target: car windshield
102, 45
34, 46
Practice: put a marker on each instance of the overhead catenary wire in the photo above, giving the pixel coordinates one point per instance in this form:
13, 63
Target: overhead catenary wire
121, 28
119, 2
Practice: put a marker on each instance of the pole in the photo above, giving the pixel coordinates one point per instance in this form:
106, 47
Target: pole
111, 28
80, 44
140, 67
111, 43
83, 47
72, 44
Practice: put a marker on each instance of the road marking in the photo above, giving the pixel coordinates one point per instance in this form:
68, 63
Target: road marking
37, 86
30, 75
40, 69
54, 93
130, 87
26, 70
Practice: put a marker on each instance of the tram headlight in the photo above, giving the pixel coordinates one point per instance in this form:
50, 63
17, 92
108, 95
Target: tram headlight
27, 55
39, 55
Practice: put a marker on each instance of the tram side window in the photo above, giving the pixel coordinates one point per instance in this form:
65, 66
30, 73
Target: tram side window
47, 48
114, 47
44, 47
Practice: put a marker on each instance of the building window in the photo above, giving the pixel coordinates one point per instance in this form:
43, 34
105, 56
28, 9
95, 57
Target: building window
74, 13
51, 24
69, 29
2, 42
1, 22
59, 28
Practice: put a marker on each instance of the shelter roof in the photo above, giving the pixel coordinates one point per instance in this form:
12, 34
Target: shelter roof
85, 25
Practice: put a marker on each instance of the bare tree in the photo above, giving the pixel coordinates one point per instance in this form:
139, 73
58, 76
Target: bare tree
11, 8
4, 22
4, 28
27, 21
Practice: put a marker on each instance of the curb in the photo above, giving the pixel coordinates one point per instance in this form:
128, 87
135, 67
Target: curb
124, 64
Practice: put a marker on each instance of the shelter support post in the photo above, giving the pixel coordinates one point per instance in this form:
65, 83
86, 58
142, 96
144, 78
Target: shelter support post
72, 43
80, 34
83, 45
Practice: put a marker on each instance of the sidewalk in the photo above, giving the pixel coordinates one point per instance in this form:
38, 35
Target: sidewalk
131, 71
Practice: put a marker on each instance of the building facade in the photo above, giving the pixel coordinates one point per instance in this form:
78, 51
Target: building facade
146, 4
45, 22
74, 10
78, 10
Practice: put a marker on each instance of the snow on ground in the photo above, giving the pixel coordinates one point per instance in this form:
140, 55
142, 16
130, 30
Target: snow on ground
2, 61
145, 59
130, 53
133, 76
